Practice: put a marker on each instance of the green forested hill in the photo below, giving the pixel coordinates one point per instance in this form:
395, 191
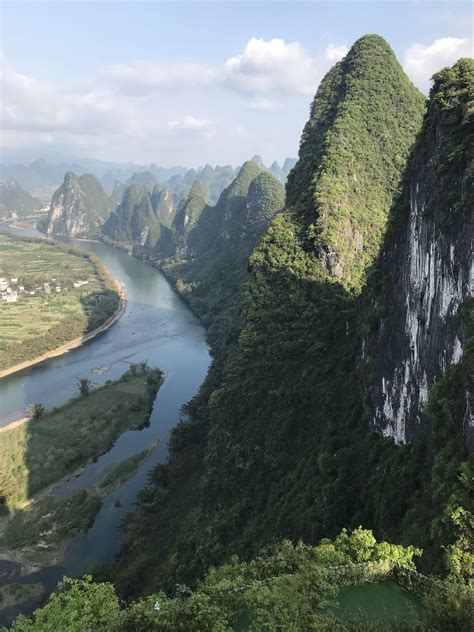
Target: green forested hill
287, 587
15, 200
162, 201
280, 434
135, 221
213, 263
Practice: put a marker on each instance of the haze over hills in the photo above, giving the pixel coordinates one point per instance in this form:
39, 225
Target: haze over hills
41, 178
141, 205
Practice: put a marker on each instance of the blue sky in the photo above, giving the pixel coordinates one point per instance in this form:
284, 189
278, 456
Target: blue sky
192, 82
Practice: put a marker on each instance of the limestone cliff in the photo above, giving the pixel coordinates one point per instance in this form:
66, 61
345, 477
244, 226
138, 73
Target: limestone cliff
427, 269
78, 208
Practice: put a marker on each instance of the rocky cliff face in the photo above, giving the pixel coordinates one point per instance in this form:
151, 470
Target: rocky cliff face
163, 204
78, 208
427, 264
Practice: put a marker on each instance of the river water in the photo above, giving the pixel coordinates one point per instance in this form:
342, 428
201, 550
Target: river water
157, 326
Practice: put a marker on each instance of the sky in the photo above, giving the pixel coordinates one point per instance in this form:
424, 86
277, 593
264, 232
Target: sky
191, 82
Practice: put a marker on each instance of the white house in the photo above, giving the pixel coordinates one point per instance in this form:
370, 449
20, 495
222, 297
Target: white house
11, 298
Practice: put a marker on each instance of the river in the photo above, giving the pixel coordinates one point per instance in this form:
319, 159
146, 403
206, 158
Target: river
157, 326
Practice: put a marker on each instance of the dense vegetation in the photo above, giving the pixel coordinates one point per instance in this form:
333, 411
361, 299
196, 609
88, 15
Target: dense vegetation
432, 501
211, 248
278, 438
286, 587
45, 320
277, 443
135, 219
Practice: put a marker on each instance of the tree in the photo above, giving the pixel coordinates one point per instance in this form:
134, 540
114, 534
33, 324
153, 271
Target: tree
84, 385
79, 605
35, 411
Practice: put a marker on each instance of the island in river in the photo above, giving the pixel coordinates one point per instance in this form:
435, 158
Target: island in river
35, 523
52, 298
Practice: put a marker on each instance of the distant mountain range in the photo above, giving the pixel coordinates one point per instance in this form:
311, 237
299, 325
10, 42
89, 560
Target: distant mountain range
41, 178
141, 206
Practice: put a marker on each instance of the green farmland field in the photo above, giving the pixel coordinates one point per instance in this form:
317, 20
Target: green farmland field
37, 323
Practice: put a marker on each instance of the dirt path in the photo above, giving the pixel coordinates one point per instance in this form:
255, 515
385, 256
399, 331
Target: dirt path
77, 342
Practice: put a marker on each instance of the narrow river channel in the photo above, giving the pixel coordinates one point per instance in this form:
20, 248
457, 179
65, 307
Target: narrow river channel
157, 326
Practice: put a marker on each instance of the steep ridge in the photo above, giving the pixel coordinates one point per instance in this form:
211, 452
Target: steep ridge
174, 242
214, 265
135, 221
362, 277
78, 208
427, 269
294, 383
209, 271
273, 442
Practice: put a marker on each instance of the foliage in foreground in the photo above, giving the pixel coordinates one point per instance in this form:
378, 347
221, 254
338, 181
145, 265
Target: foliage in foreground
287, 587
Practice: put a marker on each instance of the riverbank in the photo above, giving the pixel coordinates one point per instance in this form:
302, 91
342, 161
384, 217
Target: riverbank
14, 424
36, 532
158, 327
77, 342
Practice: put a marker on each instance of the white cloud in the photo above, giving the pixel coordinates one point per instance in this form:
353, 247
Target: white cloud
130, 110
422, 61
335, 52
275, 67
263, 67
265, 105
153, 75
191, 123
36, 107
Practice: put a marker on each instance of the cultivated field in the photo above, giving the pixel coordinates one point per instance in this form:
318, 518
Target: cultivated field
55, 294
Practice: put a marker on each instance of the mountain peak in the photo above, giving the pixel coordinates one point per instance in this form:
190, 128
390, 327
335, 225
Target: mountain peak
79, 207
197, 189
70, 176
258, 161
365, 101
372, 40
